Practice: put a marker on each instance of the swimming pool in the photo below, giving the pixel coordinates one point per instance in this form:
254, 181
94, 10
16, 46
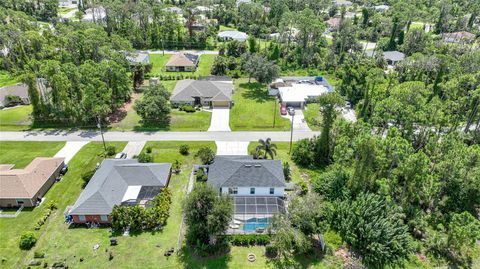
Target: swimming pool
252, 224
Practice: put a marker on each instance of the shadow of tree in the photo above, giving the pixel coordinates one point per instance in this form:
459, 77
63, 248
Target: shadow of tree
254, 91
192, 261
298, 261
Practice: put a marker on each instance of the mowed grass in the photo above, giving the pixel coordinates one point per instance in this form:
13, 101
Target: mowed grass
21, 153
254, 109
53, 238
313, 117
16, 118
6, 79
159, 61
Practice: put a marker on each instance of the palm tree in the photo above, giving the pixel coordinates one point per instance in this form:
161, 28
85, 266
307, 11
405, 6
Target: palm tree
267, 147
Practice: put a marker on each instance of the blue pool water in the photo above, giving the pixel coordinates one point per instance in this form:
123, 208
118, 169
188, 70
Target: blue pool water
252, 224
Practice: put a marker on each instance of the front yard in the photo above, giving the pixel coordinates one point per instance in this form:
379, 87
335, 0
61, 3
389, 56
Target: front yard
21, 153
254, 110
158, 62
15, 118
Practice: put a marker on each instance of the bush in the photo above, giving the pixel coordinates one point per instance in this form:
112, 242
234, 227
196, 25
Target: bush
144, 158
303, 152
201, 175
27, 240
206, 155
149, 149
38, 255
286, 171
86, 176
248, 239
111, 150
13, 100
187, 108
184, 149
303, 187
271, 251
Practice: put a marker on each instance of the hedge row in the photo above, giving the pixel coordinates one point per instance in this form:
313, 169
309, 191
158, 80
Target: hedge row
248, 239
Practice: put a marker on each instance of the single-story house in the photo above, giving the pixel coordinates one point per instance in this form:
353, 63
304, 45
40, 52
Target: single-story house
381, 8
245, 176
333, 24
239, 2
175, 10
392, 57
118, 182
202, 9
135, 58
95, 14
66, 3
20, 90
182, 62
298, 91
342, 3
27, 186
232, 35
204, 92
256, 187
462, 37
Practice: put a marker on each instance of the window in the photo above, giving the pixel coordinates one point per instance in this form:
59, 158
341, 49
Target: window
233, 190
104, 217
81, 217
252, 190
272, 190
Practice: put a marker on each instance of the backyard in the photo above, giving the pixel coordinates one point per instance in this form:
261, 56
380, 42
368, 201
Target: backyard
254, 110
158, 62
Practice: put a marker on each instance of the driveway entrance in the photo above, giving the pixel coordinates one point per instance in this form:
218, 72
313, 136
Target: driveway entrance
220, 121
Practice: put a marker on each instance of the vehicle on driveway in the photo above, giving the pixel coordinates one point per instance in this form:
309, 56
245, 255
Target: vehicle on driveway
121, 155
283, 109
348, 104
64, 170
291, 110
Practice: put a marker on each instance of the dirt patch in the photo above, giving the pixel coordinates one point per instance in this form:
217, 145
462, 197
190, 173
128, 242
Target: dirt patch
122, 111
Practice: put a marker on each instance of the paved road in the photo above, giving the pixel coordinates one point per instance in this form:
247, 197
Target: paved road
60, 135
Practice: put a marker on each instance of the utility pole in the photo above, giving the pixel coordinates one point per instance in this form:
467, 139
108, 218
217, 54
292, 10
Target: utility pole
291, 131
163, 47
274, 112
99, 125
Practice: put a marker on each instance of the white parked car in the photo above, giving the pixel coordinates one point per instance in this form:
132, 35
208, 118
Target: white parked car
121, 155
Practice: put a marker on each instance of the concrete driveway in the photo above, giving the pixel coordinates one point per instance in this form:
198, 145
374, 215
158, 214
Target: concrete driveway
220, 121
232, 147
70, 149
299, 123
133, 148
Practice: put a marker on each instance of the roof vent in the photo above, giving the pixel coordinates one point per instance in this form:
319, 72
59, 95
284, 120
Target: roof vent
248, 165
258, 165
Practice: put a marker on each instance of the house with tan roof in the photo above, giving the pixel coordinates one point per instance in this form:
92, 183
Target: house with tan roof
28, 186
181, 62
203, 92
462, 37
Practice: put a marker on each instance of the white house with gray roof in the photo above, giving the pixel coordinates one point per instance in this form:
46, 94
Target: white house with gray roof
203, 92
245, 176
118, 182
232, 35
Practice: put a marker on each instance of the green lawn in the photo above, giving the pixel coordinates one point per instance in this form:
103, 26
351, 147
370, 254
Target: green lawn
14, 119
65, 10
254, 109
227, 28
158, 65
21, 153
53, 238
312, 116
6, 79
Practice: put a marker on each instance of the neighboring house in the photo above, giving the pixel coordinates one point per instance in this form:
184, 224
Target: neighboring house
232, 35
135, 58
392, 57
202, 9
257, 188
333, 24
118, 182
381, 8
245, 176
239, 2
298, 91
28, 186
182, 62
66, 3
342, 3
20, 90
96, 14
459, 37
175, 10
203, 92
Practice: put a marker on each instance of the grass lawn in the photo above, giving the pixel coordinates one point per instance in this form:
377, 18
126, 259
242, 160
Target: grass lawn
312, 116
15, 119
21, 153
158, 65
253, 109
65, 10
53, 237
6, 79
227, 28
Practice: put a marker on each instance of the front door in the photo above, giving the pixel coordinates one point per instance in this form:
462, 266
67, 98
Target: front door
197, 101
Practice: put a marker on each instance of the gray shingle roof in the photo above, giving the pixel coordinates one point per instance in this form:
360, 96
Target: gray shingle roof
244, 171
110, 182
186, 89
389, 55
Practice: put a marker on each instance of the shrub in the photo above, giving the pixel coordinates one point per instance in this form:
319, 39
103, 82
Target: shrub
145, 158
111, 150
188, 108
303, 152
201, 175
286, 171
12, 100
27, 240
248, 239
184, 149
303, 187
271, 251
38, 255
149, 149
86, 176
177, 166
206, 155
